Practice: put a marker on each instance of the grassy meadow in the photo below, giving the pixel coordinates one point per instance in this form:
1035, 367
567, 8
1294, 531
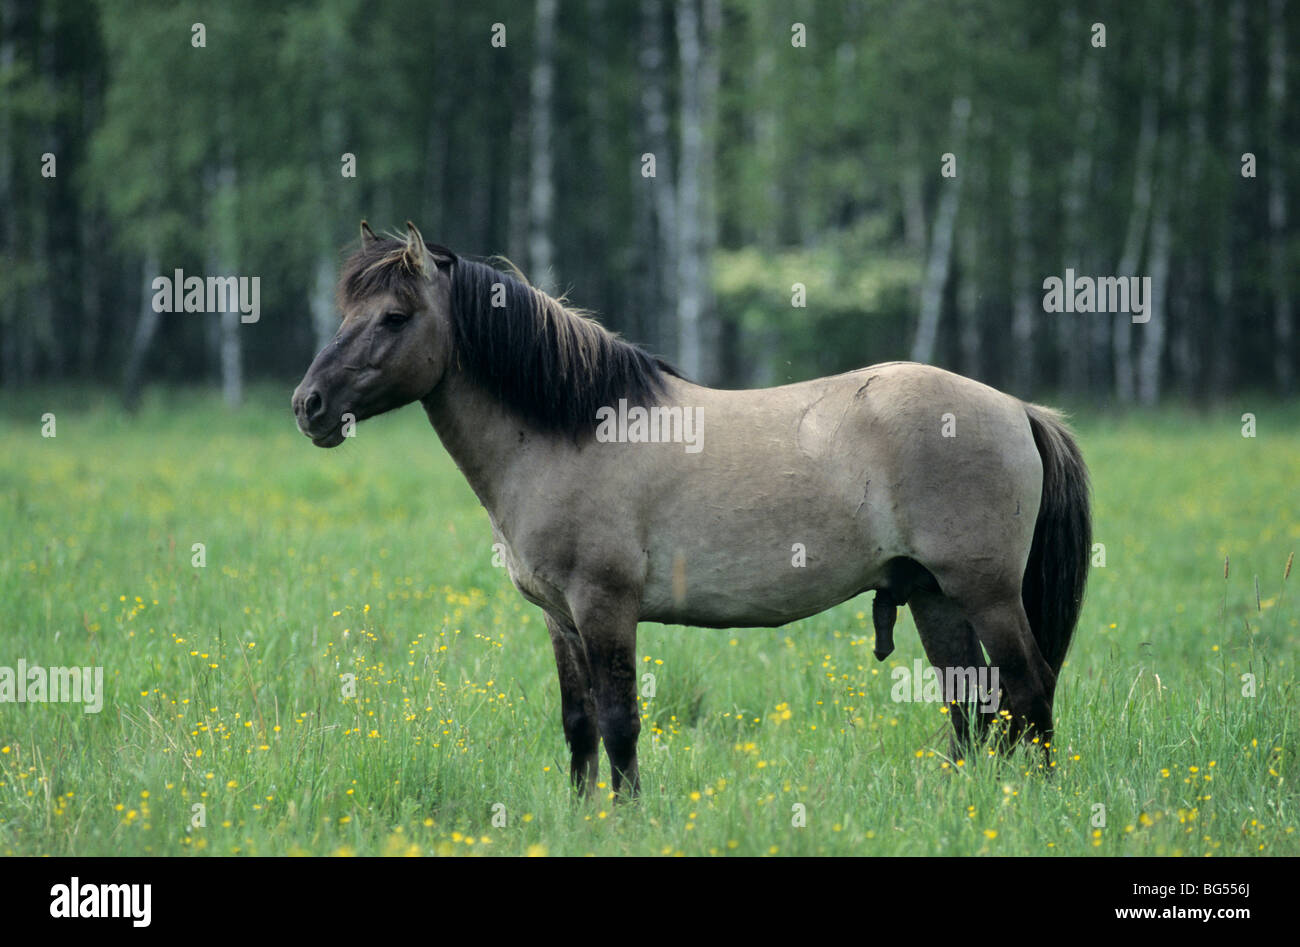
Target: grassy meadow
228, 726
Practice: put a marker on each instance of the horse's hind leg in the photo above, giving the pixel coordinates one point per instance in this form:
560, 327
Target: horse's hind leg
577, 705
1003, 628
951, 645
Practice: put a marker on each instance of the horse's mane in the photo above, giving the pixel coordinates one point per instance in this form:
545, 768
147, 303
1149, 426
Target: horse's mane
551, 363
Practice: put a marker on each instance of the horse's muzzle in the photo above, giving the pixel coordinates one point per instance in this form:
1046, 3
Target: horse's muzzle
311, 412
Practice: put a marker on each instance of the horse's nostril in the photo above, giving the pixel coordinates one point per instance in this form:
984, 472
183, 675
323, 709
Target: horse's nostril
314, 405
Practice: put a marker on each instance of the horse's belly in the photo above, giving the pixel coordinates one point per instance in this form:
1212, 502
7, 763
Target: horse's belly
764, 584
793, 539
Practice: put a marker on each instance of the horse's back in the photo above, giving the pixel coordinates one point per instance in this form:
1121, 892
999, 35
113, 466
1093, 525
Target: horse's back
803, 494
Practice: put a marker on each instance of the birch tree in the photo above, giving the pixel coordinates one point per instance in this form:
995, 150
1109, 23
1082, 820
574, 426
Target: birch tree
1082, 72
658, 191
1153, 331
1131, 254
1024, 303
541, 187
690, 258
941, 240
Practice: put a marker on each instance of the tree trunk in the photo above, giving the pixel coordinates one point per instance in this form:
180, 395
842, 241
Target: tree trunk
437, 140
232, 359
663, 244
911, 189
1024, 301
324, 321
1279, 272
1221, 372
145, 329
91, 256
1154, 337
1072, 329
602, 270
968, 300
1184, 333
225, 240
517, 226
941, 240
1131, 255
712, 335
968, 288
541, 186
41, 309
88, 274
9, 321
1153, 331
690, 272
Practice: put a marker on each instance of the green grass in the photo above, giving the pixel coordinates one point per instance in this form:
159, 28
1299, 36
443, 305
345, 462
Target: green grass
224, 683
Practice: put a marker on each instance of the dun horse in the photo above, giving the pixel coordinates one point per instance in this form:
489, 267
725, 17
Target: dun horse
622, 492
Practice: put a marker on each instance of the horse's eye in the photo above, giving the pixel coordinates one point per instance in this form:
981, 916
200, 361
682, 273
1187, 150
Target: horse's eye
395, 320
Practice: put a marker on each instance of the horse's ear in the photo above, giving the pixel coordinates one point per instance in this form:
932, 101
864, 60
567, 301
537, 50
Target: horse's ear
413, 255
443, 257
367, 235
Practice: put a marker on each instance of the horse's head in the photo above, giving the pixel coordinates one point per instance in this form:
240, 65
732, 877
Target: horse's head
394, 343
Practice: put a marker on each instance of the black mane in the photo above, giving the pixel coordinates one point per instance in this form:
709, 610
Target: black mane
553, 365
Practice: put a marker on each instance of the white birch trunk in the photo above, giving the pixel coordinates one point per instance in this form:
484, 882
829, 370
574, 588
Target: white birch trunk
1131, 255
226, 240
711, 335
911, 190
941, 240
1072, 330
968, 301
1024, 301
90, 236
324, 321
663, 198
1153, 331
517, 226
541, 185
145, 329
690, 283
968, 290
1183, 333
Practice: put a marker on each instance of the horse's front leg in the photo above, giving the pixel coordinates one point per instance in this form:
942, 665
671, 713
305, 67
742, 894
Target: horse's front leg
577, 704
607, 622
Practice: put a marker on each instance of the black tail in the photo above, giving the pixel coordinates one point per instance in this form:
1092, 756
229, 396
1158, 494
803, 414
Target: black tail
1052, 590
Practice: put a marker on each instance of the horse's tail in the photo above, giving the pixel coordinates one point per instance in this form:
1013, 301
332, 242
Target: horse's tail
1052, 590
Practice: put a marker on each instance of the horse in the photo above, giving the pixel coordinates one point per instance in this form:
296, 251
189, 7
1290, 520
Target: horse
622, 492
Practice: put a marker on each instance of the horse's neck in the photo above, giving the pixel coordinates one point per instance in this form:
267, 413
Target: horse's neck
481, 435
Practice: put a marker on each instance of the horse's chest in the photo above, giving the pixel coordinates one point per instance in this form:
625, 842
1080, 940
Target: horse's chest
525, 576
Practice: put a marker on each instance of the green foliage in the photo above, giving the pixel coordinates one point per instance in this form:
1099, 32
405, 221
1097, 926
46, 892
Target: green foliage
231, 154
855, 312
